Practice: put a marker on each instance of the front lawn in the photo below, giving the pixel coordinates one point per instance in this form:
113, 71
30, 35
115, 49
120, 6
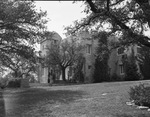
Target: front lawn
87, 100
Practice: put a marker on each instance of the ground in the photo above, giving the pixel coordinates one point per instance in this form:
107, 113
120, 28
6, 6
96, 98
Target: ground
86, 100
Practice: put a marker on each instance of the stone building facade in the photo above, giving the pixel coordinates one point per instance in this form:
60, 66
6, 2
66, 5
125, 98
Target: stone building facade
89, 51
117, 56
115, 61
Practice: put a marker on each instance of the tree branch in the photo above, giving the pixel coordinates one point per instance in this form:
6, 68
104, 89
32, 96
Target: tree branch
139, 38
108, 1
92, 6
116, 3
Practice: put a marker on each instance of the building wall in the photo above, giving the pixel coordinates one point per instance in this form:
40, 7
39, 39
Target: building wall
115, 60
88, 67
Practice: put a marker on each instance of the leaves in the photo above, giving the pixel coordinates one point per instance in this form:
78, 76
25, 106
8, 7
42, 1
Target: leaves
20, 27
65, 55
129, 16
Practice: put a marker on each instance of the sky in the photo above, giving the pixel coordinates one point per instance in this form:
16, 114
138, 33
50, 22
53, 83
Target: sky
61, 14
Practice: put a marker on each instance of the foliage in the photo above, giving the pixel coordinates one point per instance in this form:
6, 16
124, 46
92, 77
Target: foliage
2, 70
14, 83
131, 70
128, 18
115, 77
144, 59
33, 78
20, 66
3, 82
102, 55
140, 94
78, 75
100, 71
66, 54
20, 27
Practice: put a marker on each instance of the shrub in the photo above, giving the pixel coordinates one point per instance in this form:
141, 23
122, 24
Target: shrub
131, 72
140, 94
14, 83
100, 71
144, 57
115, 77
78, 77
131, 68
3, 82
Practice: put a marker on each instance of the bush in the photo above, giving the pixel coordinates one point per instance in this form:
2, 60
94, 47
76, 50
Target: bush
115, 77
100, 71
3, 82
145, 64
78, 77
140, 94
14, 83
131, 72
131, 68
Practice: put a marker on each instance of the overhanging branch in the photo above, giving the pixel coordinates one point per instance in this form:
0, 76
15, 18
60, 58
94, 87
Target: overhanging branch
144, 40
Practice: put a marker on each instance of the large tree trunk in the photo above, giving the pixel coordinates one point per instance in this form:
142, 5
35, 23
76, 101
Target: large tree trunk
63, 73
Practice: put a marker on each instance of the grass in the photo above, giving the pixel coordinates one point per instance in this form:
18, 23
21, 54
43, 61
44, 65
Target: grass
87, 100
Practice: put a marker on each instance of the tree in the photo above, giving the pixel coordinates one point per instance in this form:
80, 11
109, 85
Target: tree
131, 18
20, 28
144, 59
64, 55
78, 73
102, 55
20, 66
131, 69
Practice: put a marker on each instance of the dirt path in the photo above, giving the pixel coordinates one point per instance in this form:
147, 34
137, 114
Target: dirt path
88, 100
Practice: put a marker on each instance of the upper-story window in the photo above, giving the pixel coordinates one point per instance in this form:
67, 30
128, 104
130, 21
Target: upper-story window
55, 41
120, 50
89, 66
138, 50
121, 69
88, 48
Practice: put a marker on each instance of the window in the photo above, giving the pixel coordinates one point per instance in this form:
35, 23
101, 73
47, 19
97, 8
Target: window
120, 50
138, 50
42, 71
88, 48
121, 69
55, 41
89, 66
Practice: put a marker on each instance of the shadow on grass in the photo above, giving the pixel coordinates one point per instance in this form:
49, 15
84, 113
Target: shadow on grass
129, 115
35, 95
2, 105
21, 102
